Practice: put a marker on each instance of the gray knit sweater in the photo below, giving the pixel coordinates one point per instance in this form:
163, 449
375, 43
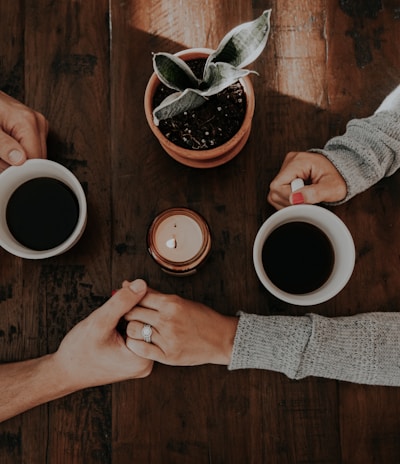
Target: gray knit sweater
364, 348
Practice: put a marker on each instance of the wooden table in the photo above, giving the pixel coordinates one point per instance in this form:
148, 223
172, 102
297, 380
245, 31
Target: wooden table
85, 65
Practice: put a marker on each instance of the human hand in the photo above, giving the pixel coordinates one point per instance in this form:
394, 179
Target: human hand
325, 183
185, 333
94, 353
23, 133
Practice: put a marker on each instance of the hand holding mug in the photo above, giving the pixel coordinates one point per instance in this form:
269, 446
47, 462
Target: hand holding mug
23, 133
325, 182
303, 254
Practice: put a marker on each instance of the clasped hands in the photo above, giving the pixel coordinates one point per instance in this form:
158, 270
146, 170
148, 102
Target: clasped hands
184, 333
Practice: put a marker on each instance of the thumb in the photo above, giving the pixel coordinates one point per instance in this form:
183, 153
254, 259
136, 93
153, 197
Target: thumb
310, 194
120, 303
11, 151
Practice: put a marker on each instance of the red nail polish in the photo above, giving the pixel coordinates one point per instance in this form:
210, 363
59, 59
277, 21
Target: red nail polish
297, 198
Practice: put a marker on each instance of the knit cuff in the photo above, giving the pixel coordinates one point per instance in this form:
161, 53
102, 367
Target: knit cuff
274, 343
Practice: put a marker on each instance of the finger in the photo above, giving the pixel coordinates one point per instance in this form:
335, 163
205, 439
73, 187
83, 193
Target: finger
145, 350
11, 152
30, 130
284, 179
134, 330
279, 194
310, 195
325, 192
120, 303
155, 301
279, 199
126, 283
143, 315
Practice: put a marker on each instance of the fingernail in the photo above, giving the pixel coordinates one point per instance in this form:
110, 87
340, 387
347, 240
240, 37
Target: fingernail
297, 198
138, 286
16, 157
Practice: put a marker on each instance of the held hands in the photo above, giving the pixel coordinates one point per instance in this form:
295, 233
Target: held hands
23, 133
184, 333
325, 182
94, 353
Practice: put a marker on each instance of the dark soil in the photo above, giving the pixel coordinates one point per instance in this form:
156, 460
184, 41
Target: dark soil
210, 125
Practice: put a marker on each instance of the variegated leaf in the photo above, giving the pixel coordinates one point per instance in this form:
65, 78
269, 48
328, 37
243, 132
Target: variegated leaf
222, 75
177, 103
174, 72
243, 44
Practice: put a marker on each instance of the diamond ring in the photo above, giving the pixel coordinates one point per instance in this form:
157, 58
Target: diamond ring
147, 332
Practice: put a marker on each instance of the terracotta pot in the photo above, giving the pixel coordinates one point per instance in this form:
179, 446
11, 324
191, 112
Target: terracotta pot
201, 158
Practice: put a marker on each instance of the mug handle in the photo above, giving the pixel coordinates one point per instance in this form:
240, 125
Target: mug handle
297, 184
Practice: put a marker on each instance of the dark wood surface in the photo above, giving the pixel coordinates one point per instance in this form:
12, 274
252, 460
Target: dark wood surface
85, 64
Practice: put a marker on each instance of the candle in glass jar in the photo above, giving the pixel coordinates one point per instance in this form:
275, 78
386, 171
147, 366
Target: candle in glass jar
179, 240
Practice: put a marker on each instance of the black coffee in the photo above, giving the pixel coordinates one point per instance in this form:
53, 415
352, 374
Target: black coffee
298, 257
42, 213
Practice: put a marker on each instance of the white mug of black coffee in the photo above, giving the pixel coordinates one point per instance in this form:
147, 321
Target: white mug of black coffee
304, 254
42, 209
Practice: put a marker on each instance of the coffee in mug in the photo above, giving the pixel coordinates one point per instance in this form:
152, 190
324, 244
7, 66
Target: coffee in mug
42, 213
293, 244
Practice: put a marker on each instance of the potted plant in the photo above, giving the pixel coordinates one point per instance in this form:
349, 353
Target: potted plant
199, 103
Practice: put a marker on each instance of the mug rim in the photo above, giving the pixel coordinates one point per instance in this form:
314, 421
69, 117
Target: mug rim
319, 217
32, 169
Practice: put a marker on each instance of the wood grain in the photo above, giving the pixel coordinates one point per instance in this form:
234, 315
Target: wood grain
85, 65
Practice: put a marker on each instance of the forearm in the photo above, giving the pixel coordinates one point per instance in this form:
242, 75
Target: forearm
361, 349
26, 384
93, 353
367, 152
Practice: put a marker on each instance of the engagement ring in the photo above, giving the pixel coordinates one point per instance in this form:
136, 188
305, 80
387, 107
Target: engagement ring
147, 332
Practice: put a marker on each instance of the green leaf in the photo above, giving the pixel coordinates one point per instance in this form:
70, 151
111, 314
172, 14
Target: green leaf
174, 72
220, 76
243, 44
177, 103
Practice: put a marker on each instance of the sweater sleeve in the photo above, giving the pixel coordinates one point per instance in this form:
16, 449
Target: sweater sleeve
363, 349
370, 148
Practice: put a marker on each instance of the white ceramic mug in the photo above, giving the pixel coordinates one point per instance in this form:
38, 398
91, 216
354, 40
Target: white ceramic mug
12, 178
339, 237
